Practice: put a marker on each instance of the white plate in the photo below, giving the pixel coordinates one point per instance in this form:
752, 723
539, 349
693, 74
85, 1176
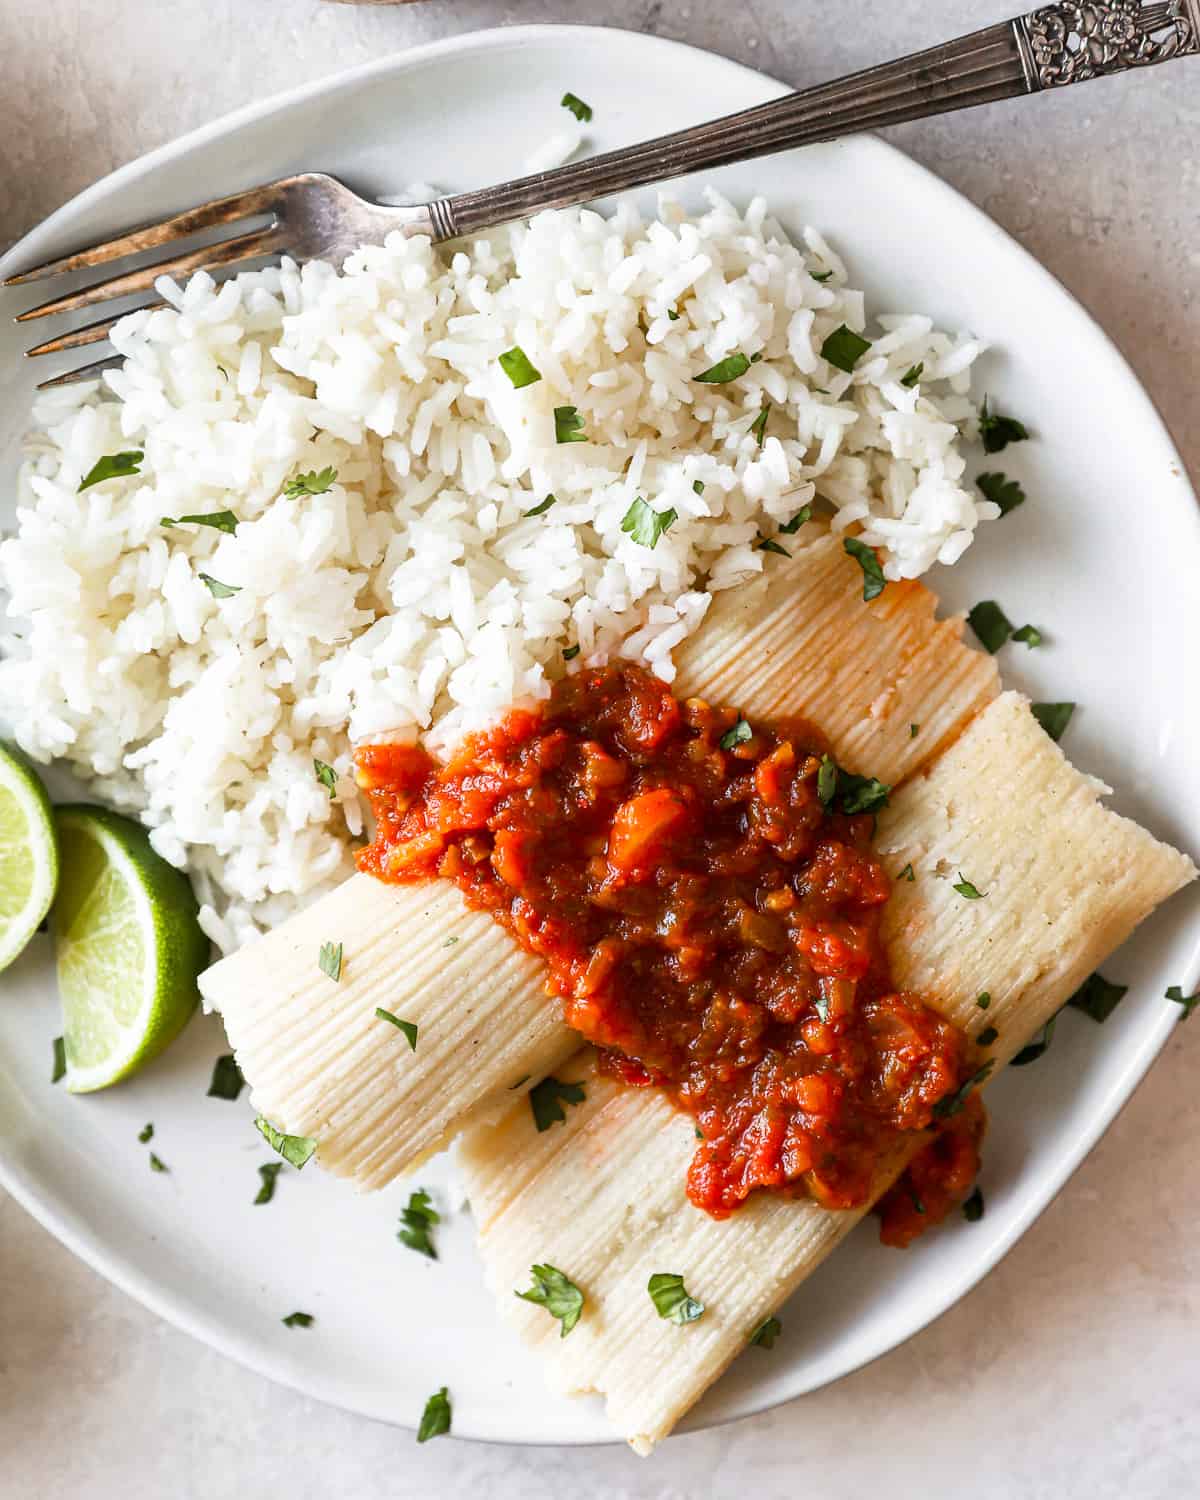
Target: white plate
1104, 556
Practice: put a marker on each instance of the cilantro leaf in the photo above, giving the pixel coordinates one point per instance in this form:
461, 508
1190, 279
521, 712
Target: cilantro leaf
218, 589
1189, 1002
844, 348
547, 1098
873, 579
267, 1173
759, 426
312, 483
996, 432
983, 1000
738, 735
966, 890
910, 379
570, 652
671, 1299
952, 1104
827, 779
409, 1028
987, 1036
1001, 491
581, 111
568, 425
821, 276
852, 793
298, 1320
907, 873
725, 370
793, 526
227, 1081
1053, 717
295, 1149
646, 525
766, 1333
557, 1293
1097, 997
1028, 635
327, 776
435, 1419
111, 466
991, 625
973, 1207
517, 365
146, 1134
1037, 1047
60, 1060
540, 510
698, 486
416, 1221
157, 1164
329, 960
219, 520
769, 544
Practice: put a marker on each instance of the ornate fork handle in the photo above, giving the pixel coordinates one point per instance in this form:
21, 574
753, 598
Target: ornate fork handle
1069, 42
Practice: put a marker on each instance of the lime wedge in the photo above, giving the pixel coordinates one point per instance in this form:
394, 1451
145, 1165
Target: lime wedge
128, 944
28, 853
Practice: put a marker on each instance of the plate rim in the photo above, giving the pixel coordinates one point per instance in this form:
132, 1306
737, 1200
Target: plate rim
44, 1208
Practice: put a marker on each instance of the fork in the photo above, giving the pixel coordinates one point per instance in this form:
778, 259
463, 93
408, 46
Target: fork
314, 216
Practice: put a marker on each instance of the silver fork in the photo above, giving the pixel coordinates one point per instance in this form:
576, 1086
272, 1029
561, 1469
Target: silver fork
313, 216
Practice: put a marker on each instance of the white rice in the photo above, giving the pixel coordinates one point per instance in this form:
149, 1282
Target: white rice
415, 596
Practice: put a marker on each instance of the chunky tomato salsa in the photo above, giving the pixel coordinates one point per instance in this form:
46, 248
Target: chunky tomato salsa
705, 895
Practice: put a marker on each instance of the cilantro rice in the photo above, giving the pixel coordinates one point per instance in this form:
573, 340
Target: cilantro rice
386, 575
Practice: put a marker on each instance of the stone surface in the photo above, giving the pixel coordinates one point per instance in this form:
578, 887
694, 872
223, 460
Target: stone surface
1072, 1371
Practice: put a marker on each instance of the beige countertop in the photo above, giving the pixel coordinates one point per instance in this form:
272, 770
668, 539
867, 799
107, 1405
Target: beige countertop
1074, 1369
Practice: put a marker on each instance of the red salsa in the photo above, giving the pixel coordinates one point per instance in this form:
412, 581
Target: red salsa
709, 912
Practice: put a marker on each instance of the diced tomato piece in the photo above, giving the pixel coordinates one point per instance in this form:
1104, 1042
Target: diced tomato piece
641, 825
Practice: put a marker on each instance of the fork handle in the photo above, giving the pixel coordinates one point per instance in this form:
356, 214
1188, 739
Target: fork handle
1048, 48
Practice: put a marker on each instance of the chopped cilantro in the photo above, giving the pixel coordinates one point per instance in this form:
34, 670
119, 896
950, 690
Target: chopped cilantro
645, 525
913, 731
987, 1036
724, 370
581, 111
803, 515
966, 890
327, 776
698, 486
219, 520
673, 315
854, 794
218, 589
996, 432
329, 960
844, 348
1053, 717
913, 375
227, 1081
1189, 1002
907, 873
766, 1333
570, 652
1037, 1047
1028, 635
557, 1293
157, 1164
416, 1222
821, 276
768, 544
547, 1098
295, 1149
409, 1028
759, 426
267, 1174
111, 466
991, 625
973, 1207
952, 1104
671, 1299
540, 510
983, 1000
146, 1134
298, 1320
60, 1060
568, 425
738, 735
873, 579
312, 483
1097, 997
435, 1419
517, 365
1001, 491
